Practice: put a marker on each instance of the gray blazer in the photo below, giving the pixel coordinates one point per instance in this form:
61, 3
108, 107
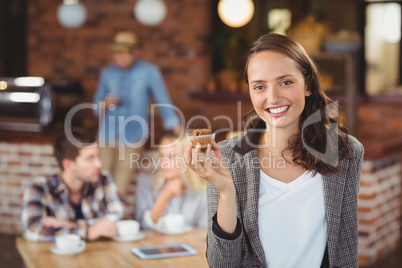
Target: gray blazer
245, 249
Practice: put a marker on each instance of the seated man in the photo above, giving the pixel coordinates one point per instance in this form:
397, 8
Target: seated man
81, 199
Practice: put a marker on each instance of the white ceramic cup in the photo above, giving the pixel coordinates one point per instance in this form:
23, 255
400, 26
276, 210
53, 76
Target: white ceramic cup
67, 242
173, 222
128, 228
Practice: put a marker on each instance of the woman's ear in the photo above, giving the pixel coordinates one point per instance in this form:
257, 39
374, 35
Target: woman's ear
307, 91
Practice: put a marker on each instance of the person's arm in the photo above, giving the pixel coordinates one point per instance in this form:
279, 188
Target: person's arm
37, 224
171, 189
100, 92
113, 210
225, 236
160, 206
217, 173
102, 228
171, 121
144, 200
348, 233
115, 207
103, 98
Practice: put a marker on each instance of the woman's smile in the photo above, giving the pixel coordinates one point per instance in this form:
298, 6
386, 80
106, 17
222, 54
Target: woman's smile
278, 111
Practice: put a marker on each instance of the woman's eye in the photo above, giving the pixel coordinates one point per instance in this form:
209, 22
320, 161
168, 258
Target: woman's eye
259, 87
286, 83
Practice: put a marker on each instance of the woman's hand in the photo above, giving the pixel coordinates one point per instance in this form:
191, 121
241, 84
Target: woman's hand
174, 187
216, 172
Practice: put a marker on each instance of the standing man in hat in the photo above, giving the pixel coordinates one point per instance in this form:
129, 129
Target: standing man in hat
123, 98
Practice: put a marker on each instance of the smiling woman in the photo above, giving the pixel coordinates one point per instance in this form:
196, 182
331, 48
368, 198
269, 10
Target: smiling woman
285, 214
293, 71
277, 88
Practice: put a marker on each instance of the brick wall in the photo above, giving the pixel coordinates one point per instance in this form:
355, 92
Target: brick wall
55, 52
19, 163
379, 119
380, 207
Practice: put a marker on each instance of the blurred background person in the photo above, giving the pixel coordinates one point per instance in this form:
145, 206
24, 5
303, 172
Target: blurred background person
81, 199
172, 189
123, 95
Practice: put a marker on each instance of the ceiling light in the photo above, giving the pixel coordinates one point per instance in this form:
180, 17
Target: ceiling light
71, 14
150, 12
236, 13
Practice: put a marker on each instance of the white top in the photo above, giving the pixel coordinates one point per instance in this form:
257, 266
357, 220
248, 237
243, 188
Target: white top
292, 225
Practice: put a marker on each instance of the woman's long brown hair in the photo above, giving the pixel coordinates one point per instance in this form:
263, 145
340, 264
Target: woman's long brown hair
319, 144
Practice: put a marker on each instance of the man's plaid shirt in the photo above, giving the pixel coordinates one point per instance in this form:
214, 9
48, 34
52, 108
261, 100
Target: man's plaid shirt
48, 196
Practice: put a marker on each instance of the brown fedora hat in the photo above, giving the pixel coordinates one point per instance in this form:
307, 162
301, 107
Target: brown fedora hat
124, 41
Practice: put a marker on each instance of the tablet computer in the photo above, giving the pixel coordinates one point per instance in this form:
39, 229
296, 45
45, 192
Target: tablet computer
163, 251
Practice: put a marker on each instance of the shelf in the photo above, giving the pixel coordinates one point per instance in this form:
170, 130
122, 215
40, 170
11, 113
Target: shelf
346, 91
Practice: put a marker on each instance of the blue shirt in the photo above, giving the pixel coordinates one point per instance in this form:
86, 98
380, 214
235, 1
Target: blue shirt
128, 121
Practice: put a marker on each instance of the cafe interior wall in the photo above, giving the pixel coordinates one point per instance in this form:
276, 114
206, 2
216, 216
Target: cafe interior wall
58, 53
175, 45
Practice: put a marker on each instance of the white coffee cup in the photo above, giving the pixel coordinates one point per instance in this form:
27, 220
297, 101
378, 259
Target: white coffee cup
68, 242
128, 228
173, 222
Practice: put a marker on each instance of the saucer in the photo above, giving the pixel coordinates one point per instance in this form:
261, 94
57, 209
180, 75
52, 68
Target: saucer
136, 237
58, 251
185, 229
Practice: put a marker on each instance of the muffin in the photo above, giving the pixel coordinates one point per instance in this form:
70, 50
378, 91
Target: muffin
202, 136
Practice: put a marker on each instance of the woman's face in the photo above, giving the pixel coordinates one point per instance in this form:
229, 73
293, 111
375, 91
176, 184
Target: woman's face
277, 89
170, 162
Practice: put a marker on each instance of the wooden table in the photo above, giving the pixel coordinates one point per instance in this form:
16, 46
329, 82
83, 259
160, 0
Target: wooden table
112, 254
